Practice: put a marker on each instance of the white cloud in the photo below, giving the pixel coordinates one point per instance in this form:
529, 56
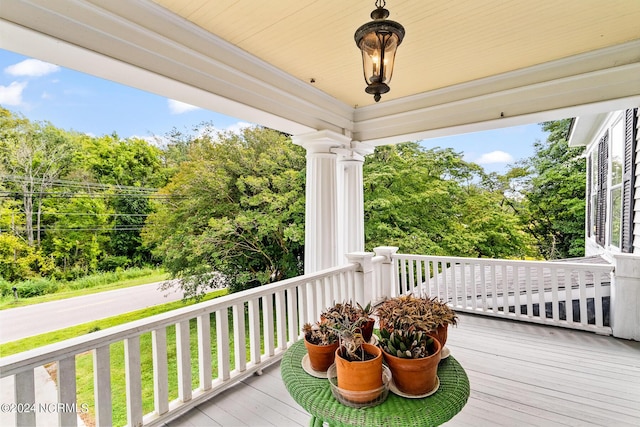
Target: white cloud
495, 157
177, 107
31, 68
151, 139
12, 94
237, 127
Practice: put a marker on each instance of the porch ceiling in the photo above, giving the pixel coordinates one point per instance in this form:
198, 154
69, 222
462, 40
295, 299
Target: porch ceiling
465, 65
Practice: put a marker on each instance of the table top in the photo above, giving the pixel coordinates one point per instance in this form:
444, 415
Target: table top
314, 394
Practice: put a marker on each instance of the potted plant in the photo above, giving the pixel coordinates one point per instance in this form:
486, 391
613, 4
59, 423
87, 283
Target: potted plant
412, 356
358, 364
321, 342
409, 327
431, 315
356, 315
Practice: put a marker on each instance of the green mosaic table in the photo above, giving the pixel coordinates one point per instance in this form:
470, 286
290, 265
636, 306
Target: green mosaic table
314, 395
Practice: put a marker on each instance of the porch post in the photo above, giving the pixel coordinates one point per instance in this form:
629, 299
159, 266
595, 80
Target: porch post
625, 297
388, 277
321, 209
351, 202
364, 276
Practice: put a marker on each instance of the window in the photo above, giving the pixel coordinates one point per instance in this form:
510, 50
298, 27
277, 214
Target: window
615, 189
610, 183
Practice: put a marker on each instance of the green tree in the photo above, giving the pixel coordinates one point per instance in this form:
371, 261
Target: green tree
237, 207
80, 201
33, 155
555, 194
430, 201
133, 168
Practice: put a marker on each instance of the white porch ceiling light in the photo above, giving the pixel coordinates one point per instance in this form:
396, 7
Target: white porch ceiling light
378, 41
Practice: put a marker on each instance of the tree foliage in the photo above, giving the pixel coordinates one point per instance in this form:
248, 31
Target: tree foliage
430, 201
236, 207
71, 203
34, 155
233, 203
554, 207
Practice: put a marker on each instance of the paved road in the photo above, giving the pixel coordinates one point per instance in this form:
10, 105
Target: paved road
22, 322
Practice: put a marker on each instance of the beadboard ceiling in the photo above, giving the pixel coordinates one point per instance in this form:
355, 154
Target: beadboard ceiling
446, 43
464, 65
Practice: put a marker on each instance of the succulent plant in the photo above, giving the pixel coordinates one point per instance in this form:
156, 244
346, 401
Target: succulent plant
348, 312
346, 320
409, 313
406, 344
350, 338
320, 333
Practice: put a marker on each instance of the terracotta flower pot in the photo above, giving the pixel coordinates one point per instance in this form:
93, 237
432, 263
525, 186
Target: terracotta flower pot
441, 333
367, 330
321, 356
415, 376
361, 376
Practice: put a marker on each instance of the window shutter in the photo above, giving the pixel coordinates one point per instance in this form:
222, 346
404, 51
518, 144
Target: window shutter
628, 180
601, 209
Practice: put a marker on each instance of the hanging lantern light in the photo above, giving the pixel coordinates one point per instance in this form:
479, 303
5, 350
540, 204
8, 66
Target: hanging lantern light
378, 41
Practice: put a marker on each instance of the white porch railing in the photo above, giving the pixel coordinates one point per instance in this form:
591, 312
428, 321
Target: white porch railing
568, 294
235, 336
222, 341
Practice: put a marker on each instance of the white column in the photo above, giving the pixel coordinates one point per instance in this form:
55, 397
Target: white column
321, 210
351, 202
625, 297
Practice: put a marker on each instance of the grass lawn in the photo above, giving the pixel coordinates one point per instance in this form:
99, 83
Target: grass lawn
84, 362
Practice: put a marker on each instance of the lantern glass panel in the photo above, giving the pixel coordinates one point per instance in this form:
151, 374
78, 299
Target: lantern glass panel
378, 49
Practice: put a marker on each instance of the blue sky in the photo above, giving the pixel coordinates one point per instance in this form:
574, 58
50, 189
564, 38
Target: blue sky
75, 101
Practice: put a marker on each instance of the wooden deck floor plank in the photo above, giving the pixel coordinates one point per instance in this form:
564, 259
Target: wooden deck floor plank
197, 418
556, 362
519, 330
619, 359
256, 410
478, 413
277, 411
533, 373
530, 374
597, 348
487, 412
271, 384
551, 418
240, 407
555, 408
553, 390
525, 414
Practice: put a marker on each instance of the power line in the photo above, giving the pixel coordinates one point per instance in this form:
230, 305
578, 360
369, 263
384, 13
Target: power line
89, 214
131, 228
56, 195
63, 182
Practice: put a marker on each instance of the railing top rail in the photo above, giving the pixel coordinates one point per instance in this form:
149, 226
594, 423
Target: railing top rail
17, 362
520, 263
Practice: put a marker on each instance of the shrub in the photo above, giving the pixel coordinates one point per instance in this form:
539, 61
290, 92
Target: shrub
112, 263
6, 288
36, 287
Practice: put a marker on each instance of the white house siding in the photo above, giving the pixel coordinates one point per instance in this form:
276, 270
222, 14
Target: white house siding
600, 125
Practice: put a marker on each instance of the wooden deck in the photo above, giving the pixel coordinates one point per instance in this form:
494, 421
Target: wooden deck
521, 375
